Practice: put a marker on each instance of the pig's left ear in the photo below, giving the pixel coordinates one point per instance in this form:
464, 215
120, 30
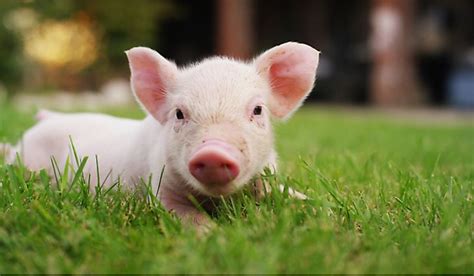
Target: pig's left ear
290, 69
151, 77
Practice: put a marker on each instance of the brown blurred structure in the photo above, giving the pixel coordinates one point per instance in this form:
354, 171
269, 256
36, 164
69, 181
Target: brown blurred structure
235, 28
393, 77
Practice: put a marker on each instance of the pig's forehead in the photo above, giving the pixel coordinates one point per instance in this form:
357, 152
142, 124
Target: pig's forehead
219, 78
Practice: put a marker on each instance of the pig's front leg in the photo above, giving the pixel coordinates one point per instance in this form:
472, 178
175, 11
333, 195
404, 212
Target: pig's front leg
180, 204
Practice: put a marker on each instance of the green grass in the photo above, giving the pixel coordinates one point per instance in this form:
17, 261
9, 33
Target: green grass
388, 196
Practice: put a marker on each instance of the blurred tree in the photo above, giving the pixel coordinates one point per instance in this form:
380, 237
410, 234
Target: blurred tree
235, 28
10, 50
124, 24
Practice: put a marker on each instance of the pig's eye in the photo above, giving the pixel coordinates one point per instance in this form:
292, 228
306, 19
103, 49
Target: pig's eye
257, 110
179, 114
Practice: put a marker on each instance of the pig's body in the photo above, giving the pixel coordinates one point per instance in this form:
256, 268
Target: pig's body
118, 143
208, 126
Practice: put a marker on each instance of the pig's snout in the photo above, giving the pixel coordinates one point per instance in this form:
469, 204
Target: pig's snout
215, 162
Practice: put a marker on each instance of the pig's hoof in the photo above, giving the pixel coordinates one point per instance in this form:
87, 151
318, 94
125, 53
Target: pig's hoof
293, 193
4, 150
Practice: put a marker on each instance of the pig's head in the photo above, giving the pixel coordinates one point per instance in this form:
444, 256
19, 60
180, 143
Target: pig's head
217, 113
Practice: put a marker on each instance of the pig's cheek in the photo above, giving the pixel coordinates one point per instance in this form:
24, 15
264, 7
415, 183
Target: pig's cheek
179, 124
259, 121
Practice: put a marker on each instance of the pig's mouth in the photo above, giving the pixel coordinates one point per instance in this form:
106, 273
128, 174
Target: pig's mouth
216, 165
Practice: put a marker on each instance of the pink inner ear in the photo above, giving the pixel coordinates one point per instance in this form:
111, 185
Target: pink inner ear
149, 88
291, 72
151, 76
291, 83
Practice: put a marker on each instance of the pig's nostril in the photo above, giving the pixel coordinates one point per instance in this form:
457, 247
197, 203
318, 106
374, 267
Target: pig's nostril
199, 166
229, 167
231, 170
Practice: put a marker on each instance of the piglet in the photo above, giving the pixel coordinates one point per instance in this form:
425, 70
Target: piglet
208, 127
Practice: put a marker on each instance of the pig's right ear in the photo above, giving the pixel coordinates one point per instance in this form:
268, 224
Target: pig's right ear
151, 78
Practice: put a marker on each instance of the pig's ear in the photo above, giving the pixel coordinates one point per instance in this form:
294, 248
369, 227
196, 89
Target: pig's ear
290, 69
151, 78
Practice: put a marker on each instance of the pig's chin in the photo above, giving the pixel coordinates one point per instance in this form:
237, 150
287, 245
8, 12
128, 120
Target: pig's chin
219, 191
216, 190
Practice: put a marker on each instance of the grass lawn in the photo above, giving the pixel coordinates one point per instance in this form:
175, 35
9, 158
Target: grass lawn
387, 196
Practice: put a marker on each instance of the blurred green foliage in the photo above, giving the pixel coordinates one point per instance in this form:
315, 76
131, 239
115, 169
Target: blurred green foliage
118, 24
10, 67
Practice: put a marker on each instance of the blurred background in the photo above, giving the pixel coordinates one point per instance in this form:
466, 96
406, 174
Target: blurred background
374, 52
